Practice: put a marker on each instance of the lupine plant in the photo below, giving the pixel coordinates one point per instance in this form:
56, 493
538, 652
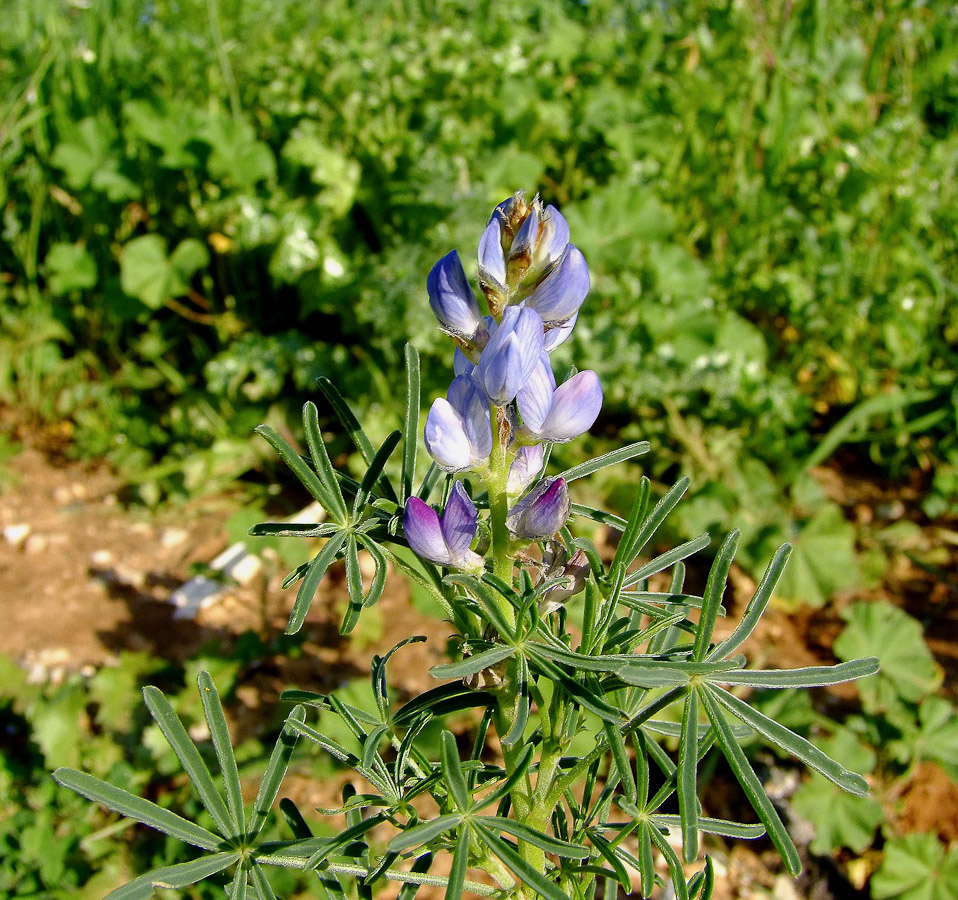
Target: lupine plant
580, 773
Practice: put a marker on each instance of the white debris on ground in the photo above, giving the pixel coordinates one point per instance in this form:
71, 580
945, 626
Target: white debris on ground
236, 564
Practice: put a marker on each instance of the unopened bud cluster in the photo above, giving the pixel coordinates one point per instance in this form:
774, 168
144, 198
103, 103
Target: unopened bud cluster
504, 396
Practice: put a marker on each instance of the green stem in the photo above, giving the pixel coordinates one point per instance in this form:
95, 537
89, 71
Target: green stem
496, 486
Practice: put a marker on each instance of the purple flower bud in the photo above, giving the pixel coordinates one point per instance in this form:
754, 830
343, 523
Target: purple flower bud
451, 298
511, 354
458, 430
559, 414
542, 512
524, 468
563, 290
444, 541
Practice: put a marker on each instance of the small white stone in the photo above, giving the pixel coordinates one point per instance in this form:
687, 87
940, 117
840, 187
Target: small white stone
17, 534
101, 559
63, 495
36, 544
199, 731
246, 570
170, 538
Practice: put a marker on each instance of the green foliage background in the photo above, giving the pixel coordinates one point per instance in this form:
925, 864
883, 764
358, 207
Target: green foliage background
208, 205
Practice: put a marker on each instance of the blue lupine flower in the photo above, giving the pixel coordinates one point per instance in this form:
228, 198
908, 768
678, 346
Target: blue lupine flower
512, 353
452, 300
542, 512
446, 540
558, 414
561, 293
458, 430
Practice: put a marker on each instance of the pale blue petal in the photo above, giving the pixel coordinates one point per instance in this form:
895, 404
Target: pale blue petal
446, 439
534, 399
524, 468
558, 334
563, 290
553, 238
575, 406
492, 262
451, 298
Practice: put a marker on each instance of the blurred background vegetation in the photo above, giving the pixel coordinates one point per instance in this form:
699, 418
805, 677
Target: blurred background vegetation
208, 205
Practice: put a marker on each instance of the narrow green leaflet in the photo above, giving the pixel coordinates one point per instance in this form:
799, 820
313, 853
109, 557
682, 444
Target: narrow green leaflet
171, 877
216, 720
668, 559
307, 590
686, 778
625, 551
653, 673
460, 860
756, 606
378, 583
298, 466
127, 804
261, 885
374, 471
544, 842
472, 664
751, 785
808, 676
630, 451
240, 887
419, 835
792, 743
620, 758
712, 598
353, 429
189, 758
673, 862
452, 770
324, 468
722, 827
275, 770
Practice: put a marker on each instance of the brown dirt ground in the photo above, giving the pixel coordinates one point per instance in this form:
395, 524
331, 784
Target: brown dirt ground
91, 578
